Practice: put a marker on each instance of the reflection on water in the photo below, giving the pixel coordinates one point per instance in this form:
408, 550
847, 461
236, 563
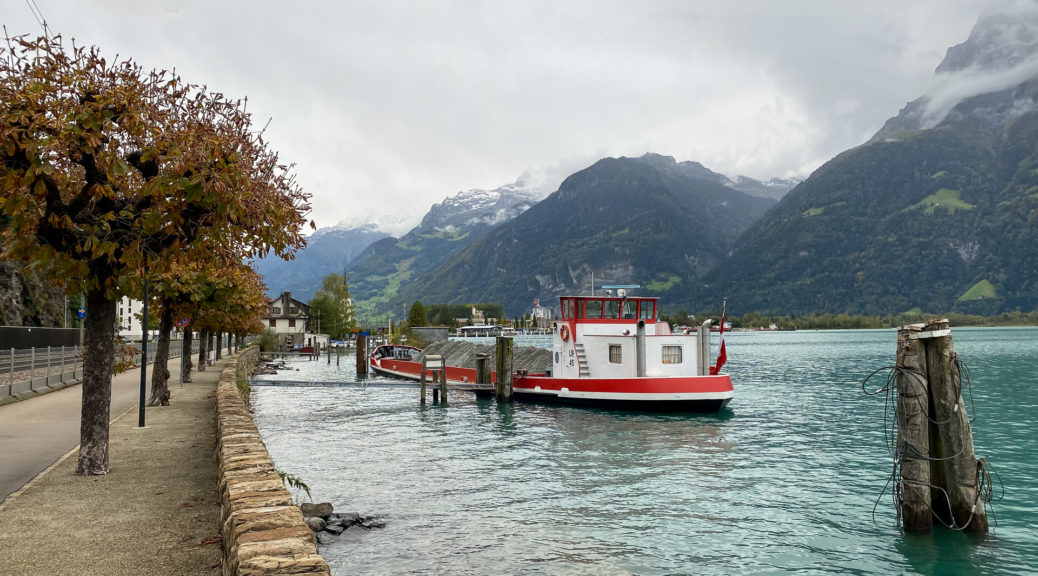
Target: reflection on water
784, 481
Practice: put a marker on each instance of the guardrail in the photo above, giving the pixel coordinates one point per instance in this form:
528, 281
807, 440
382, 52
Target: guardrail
33, 369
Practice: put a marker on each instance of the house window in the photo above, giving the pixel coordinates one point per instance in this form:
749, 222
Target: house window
672, 354
291, 322
277, 310
273, 323
615, 354
294, 311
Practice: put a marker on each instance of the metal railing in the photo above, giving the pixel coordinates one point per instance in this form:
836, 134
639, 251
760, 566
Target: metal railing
32, 369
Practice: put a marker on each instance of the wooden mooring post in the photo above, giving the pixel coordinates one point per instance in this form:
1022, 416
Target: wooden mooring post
362, 354
482, 369
434, 365
939, 469
505, 356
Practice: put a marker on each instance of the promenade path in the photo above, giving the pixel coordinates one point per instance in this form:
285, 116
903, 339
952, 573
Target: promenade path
156, 512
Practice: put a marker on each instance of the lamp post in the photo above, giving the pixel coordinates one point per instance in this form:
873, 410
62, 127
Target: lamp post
144, 350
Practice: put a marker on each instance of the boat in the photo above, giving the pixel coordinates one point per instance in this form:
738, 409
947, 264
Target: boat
612, 352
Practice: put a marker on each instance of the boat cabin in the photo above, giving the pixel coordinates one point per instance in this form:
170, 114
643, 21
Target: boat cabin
622, 337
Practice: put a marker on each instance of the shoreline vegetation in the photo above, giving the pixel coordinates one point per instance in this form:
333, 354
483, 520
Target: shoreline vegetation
755, 321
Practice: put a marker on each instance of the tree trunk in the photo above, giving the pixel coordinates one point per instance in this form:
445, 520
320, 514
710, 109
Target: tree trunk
185, 357
160, 369
98, 360
219, 345
203, 339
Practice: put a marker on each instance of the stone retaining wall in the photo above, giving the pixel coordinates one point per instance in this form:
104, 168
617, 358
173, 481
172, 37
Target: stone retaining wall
263, 531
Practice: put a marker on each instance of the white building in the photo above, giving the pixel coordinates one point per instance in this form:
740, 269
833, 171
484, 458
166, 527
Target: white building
289, 318
128, 316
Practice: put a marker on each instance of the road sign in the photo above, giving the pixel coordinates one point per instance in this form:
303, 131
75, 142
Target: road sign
81, 312
183, 322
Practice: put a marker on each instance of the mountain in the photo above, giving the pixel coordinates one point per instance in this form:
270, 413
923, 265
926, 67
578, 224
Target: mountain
648, 220
938, 211
448, 227
328, 251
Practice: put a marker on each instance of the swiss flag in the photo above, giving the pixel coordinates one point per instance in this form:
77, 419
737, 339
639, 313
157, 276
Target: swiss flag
722, 356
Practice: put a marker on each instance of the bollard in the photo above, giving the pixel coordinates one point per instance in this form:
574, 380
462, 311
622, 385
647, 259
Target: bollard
32, 368
46, 380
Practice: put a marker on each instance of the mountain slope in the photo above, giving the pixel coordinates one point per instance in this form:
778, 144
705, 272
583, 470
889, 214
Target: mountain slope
328, 251
647, 220
941, 201
446, 229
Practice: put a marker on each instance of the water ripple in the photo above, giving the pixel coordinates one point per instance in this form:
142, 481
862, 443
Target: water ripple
784, 482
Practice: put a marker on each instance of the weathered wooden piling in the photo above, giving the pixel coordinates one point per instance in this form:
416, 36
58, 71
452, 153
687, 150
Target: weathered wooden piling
362, 354
434, 365
505, 357
913, 432
947, 448
482, 369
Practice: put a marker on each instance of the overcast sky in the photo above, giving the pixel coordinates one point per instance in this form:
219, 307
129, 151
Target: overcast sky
386, 107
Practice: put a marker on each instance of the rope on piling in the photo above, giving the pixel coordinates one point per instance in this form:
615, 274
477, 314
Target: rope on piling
985, 474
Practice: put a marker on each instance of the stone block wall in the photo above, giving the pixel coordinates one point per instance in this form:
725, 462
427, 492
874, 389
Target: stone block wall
263, 531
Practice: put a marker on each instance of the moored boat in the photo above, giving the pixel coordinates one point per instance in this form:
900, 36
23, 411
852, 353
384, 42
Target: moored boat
608, 351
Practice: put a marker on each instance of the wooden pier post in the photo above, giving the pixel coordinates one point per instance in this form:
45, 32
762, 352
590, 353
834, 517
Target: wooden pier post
913, 432
482, 369
362, 354
505, 357
954, 464
943, 444
443, 385
434, 364
435, 388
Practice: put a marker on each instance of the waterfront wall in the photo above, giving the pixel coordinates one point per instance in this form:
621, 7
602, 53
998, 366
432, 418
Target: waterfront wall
263, 531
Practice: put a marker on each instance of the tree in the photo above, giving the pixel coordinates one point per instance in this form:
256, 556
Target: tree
107, 171
333, 305
416, 315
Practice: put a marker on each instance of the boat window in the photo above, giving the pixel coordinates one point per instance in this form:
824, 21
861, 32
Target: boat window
580, 309
567, 309
594, 308
672, 354
648, 309
612, 308
630, 309
615, 354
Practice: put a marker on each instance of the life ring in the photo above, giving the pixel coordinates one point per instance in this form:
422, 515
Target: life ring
564, 332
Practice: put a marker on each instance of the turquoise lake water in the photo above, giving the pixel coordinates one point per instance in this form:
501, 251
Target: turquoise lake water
783, 481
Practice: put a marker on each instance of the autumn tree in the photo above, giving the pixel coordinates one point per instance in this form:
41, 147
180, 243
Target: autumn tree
107, 170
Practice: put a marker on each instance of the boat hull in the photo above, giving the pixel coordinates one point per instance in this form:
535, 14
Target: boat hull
671, 394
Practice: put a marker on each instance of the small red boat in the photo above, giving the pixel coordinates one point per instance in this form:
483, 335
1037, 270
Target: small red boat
607, 351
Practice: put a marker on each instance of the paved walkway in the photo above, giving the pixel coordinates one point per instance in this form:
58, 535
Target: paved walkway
156, 512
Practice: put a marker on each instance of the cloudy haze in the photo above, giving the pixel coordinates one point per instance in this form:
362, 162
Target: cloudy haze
388, 107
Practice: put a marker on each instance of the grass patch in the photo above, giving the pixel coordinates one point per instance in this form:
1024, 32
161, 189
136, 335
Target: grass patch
982, 289
814, 211
663, 285
938, 174
944, 198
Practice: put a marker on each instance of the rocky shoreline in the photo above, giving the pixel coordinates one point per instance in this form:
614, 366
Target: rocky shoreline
328, 525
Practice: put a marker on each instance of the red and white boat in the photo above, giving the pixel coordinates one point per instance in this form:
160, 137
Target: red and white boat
607, 351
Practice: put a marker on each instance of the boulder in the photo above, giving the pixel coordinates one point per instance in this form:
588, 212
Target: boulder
321, 510
316, 523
